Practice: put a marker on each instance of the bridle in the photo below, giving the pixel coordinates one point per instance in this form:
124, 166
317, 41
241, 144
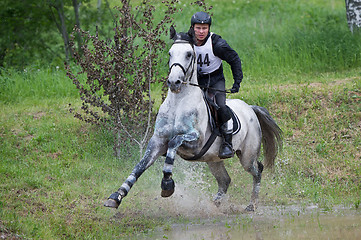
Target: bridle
192, 63
185, 70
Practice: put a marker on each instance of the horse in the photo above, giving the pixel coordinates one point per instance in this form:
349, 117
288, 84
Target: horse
182, 128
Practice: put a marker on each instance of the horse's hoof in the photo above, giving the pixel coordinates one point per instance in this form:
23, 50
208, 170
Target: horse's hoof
218, 199
111, 203
167, 187
250, 208
167, 193
114, 200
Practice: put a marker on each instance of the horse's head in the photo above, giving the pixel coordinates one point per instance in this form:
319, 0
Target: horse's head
181, 60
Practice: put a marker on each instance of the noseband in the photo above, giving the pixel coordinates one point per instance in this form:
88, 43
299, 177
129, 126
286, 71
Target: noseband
192, 62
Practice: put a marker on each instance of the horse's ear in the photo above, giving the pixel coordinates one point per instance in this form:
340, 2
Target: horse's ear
172, 32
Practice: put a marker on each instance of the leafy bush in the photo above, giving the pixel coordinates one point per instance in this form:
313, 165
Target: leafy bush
119, 74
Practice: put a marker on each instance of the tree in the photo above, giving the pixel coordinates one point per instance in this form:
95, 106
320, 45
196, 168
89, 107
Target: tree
37, 31
77, 20
59, 6
119, 73
26, 32
353, 13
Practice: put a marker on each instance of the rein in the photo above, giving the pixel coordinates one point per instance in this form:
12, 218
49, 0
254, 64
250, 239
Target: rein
205, 148
204, 87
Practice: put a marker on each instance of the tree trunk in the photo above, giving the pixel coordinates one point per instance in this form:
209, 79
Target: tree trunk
353, 13
99, 8
59, 6
77, 23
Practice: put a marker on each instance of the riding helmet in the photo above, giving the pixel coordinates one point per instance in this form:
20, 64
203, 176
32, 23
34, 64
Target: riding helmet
201, 17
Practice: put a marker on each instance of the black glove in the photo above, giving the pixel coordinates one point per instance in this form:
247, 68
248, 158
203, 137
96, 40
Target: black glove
235, 88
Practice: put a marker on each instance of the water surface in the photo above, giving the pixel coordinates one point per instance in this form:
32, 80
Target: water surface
293, 222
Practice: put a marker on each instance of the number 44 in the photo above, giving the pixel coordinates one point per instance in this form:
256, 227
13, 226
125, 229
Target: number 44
201, 61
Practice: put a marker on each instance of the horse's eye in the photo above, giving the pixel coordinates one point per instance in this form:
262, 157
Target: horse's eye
189, 54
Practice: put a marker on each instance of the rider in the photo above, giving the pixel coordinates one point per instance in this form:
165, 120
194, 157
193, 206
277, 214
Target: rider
211, 49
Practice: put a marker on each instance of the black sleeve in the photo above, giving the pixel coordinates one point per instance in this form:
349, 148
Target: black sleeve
222, 50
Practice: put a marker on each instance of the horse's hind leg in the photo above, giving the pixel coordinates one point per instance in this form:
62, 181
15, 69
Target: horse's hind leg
255, 168
220, 173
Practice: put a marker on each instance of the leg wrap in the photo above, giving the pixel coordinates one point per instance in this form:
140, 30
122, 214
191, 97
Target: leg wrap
116, 197
169, 160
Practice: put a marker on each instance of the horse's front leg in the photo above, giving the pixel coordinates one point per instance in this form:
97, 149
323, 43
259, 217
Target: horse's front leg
168, 185
154, 149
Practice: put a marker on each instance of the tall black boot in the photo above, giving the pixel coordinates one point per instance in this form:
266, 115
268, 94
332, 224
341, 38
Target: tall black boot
226, 150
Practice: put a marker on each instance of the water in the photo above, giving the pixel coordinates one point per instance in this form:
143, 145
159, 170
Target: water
270, 223
203, 220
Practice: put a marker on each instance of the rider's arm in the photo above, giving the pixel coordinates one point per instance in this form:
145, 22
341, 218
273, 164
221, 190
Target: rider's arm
222, 50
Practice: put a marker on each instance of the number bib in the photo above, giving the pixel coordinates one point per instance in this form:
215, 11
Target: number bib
207, 62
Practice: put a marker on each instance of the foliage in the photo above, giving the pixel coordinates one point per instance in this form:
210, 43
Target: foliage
119, 74
20, 22
31, 33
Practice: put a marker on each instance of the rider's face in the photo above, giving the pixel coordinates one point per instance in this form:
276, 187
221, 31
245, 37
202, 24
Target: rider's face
201, 31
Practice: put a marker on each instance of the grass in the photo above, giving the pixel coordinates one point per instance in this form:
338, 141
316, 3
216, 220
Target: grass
300, 62
56, 171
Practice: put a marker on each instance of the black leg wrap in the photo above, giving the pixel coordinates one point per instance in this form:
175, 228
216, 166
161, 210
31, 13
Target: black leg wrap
117, 197
167, 185
114, 200
169, 160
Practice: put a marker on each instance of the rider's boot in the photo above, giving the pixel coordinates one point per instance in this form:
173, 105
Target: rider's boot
226, 150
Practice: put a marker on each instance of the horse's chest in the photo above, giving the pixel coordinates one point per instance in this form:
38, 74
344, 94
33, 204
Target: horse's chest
172, 125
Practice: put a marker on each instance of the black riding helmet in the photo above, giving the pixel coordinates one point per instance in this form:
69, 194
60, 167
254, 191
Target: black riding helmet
201, 17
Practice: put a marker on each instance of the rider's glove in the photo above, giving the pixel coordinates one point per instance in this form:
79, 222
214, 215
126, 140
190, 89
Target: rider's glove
235, 88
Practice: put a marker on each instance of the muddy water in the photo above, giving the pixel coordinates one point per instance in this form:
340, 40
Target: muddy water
203, 220
292, 222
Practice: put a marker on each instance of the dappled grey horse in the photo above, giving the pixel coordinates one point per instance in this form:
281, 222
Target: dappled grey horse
183, 128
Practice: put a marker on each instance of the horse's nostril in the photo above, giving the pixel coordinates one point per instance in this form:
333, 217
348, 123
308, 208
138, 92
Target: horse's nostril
178, 82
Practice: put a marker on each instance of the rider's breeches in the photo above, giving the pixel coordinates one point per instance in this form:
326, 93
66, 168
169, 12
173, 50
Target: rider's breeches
223, 113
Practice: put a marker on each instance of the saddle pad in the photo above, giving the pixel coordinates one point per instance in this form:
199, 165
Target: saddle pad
236, 122
212, 122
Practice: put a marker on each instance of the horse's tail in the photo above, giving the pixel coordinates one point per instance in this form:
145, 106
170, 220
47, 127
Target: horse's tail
271, 135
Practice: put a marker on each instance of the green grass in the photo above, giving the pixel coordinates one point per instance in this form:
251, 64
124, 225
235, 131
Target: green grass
276, 39
35, 84
56, 171
300, 62
55, 174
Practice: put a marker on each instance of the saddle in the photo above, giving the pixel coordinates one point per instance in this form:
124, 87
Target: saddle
214, 123
213, 117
